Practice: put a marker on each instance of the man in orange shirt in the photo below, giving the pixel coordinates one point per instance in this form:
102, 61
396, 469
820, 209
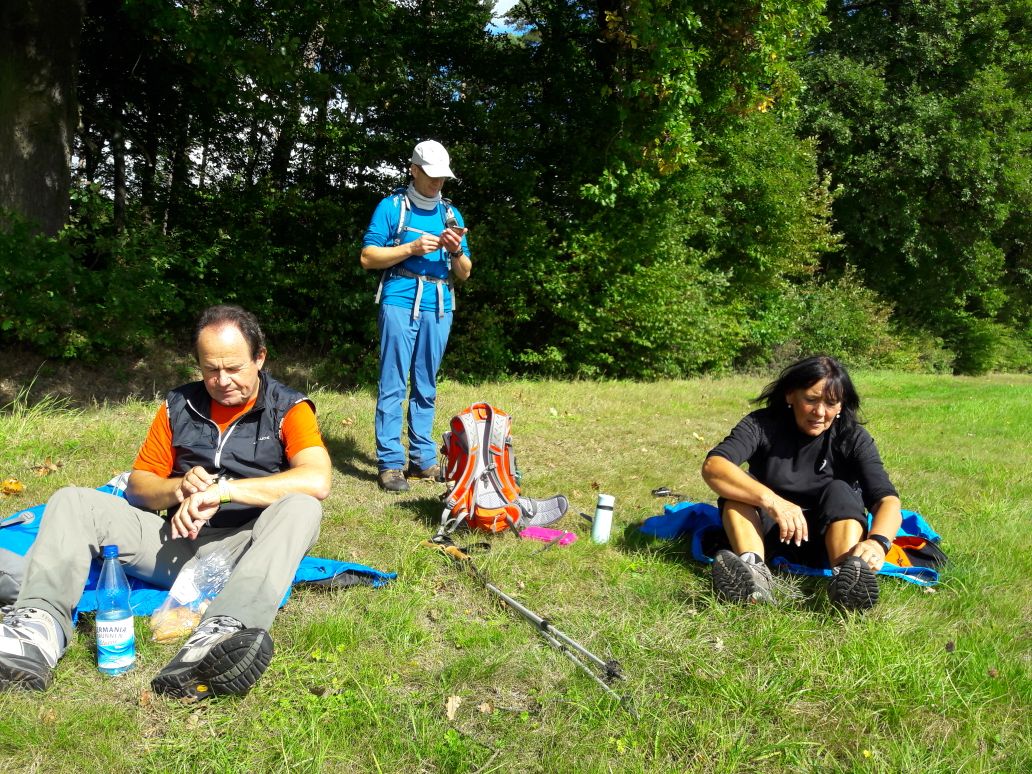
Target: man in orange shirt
238, 463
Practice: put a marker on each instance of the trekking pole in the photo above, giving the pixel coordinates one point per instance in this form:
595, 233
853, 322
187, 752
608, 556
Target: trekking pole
554, 637
665, 491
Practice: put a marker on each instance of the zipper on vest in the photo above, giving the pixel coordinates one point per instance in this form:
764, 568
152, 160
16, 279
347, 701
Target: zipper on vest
229, 430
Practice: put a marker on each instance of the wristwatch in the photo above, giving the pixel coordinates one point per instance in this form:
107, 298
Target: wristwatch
881, 540
224, 495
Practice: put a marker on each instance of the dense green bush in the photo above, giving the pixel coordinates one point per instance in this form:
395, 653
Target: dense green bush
85, 292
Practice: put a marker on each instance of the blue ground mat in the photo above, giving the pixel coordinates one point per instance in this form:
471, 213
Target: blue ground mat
700, 524
18, 531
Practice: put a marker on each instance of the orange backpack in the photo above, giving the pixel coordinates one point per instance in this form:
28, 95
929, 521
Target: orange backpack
485, 493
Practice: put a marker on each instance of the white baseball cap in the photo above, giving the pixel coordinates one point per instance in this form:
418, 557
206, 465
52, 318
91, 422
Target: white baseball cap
433, 158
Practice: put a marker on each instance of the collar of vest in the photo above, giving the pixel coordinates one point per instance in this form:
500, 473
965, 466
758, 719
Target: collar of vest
199, 399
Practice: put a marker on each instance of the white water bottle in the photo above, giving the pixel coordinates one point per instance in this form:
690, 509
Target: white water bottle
603, 521
116, 637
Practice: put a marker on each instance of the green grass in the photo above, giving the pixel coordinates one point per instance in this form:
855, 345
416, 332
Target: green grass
926, 682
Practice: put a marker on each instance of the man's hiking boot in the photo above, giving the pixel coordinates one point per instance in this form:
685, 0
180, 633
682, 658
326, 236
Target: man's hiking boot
31, 642
736, 580
854, 586
433, 473
221, 657
393, 481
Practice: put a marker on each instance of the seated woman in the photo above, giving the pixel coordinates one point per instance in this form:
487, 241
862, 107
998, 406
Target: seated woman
814, 472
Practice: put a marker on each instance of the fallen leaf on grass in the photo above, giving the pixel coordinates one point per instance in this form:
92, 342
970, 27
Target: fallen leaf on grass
595, 485
47, 467
48, 718
697, 437
553, 412
486, 708
993, 673
452, 706
146, 698
11, 486
951, 646
347, 421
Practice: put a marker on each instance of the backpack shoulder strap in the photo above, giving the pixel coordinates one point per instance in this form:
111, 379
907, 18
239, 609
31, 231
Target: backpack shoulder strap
404, 209
461, 500
403, 216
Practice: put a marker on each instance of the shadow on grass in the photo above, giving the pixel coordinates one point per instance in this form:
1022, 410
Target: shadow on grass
803, 592
424, 509
344, 453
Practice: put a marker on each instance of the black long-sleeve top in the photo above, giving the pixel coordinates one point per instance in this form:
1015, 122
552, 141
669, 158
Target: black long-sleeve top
798, 466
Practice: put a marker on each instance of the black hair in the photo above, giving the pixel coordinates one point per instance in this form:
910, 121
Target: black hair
806, 373
230, 314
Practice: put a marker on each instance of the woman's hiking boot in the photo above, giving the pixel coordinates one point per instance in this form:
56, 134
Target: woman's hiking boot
738, 580
854, 586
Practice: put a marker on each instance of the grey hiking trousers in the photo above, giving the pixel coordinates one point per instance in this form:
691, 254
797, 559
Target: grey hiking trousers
78, 521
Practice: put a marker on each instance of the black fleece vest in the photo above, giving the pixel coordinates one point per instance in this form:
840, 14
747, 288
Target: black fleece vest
250, 447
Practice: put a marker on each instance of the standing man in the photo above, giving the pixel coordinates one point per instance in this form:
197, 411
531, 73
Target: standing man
238, 462
418, 241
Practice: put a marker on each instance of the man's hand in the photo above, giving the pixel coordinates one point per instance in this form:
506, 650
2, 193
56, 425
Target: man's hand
789, 517
451, 238
427, 243
871, 552
197, 479
194, 511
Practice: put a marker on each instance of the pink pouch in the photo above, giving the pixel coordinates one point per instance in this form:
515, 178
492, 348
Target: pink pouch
547, 535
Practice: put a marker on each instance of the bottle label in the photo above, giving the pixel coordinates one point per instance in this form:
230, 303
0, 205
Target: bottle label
116, 643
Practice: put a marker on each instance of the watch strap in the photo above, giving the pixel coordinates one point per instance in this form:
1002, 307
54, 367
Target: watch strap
881, 540
224, 495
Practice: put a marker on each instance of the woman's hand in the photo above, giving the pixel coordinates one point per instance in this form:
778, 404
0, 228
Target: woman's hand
871, 552
789, 517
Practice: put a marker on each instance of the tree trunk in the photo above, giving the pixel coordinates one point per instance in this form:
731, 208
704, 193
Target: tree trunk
39, 51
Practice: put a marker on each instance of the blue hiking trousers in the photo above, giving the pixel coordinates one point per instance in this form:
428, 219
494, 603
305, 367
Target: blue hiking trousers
410, 352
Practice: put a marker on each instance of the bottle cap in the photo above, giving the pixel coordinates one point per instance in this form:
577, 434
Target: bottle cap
109, 552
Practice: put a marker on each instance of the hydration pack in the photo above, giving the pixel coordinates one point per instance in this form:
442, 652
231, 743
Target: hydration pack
480, 463
400, 195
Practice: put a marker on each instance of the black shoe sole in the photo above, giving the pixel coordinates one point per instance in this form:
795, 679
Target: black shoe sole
23, 673
732, 580
855, 587
231, 668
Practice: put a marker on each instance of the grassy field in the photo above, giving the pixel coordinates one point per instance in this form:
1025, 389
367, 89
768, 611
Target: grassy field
929, 681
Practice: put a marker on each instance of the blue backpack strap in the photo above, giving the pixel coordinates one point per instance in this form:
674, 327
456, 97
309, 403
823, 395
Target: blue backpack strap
403, 217
404, 209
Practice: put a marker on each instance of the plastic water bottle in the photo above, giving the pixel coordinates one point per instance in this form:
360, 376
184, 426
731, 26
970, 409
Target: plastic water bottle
603, 520
116, 637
